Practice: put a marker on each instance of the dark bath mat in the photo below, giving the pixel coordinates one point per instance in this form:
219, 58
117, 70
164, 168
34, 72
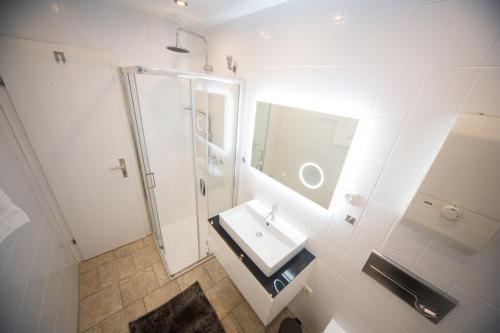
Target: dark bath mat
188, 312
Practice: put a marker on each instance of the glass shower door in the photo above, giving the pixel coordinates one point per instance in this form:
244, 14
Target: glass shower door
185, 134
162, 115
200, 121
215, 123
148, 179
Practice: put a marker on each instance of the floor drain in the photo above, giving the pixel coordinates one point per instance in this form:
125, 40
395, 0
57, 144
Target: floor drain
258, 234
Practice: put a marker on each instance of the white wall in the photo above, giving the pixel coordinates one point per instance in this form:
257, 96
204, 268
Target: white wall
38, 272
406, 69
133, 38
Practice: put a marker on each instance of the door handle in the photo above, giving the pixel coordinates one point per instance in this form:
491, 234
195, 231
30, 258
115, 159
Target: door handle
202, 186
122, 167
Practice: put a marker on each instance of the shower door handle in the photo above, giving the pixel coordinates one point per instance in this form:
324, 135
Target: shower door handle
202, 186
152, 175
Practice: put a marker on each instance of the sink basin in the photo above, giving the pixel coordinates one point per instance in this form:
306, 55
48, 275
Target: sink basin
268, 246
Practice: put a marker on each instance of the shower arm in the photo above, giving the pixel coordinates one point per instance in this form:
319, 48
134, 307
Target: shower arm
207, 67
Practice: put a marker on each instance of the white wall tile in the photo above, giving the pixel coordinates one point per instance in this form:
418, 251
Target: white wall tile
485, 94
331, 255
354, 314
406, 240
422, 33
397, 256
356, 8
339, 233
46, 6
383, 322
418, 145
350, 270
399, 90
470, 34
396, 187
6, 248
494, 56
371, 147
484, 274
317, 309
373, 290
377, 137
443, 92
431, 277
445, 261
377, 219
362, 244
26, 254
380, 41
470, 315
400, 4
16, 274
363, 180
339, 42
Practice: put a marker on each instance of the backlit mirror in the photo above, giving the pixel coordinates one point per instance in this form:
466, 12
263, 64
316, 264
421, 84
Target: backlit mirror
302, 149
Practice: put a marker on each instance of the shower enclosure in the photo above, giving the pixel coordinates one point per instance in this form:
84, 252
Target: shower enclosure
185, 130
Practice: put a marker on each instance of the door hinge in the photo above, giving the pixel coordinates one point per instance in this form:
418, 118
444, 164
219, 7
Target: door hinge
2, 83
73, 241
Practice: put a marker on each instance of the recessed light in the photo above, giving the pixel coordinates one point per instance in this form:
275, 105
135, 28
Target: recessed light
181, 3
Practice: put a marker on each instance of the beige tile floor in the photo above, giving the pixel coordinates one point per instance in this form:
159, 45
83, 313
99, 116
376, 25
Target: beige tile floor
124, 284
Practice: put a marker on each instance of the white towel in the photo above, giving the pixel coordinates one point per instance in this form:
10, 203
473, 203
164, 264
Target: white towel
11, 216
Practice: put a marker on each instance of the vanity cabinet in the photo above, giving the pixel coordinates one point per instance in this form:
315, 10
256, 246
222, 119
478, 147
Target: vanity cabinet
267, 296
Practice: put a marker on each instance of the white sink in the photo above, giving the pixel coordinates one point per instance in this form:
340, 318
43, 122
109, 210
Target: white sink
268, 246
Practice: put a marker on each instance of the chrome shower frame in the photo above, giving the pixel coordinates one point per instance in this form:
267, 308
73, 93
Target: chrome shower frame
207, 67
128, 78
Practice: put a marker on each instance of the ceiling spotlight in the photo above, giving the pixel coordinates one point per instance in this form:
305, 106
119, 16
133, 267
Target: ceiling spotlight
181, 3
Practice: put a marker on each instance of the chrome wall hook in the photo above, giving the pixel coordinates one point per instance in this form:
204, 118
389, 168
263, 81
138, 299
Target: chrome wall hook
232, 66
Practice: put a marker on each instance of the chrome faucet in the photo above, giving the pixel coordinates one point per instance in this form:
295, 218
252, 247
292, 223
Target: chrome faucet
269, 217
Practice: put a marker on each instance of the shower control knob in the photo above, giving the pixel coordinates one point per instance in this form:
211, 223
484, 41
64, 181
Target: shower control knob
450, 212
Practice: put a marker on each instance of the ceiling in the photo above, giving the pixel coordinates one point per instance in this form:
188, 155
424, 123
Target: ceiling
199, 13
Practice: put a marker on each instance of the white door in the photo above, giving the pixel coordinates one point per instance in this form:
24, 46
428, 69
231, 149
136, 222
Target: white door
74, 119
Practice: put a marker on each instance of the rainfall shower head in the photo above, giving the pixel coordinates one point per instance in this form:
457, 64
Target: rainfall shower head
178, 48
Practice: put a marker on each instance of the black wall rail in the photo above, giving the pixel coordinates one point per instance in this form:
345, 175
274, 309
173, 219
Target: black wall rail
426, 299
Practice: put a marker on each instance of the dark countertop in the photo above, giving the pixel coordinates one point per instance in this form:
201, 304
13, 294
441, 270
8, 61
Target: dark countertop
279, 280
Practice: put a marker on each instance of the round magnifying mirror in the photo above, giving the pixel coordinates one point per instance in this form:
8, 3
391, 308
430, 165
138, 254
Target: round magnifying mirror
311, 175
199, 123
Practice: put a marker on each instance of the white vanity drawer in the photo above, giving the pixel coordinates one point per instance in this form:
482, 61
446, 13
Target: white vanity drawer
265, 306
